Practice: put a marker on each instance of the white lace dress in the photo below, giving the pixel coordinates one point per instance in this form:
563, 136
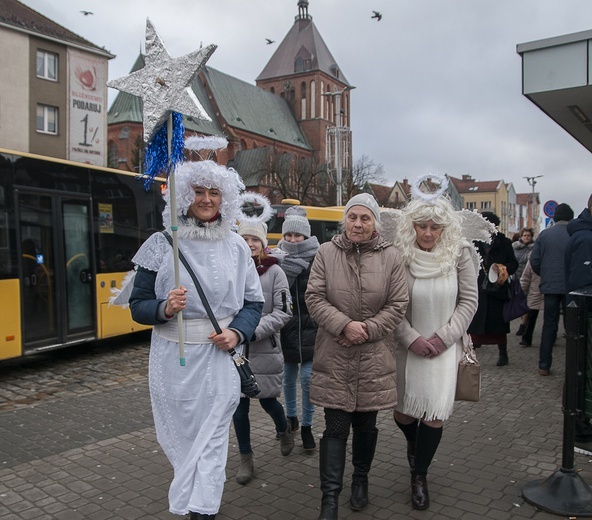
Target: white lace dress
193, 404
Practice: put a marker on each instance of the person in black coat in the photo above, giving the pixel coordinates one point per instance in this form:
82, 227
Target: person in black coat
488, 326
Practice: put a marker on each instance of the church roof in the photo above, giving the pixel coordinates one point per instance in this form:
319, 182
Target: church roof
241, 105
304, 42
22, 18
253, 109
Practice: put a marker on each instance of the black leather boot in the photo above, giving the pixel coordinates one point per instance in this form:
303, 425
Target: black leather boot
410, 432
331, 466
420, 499
502, 360
428, 440
363, 447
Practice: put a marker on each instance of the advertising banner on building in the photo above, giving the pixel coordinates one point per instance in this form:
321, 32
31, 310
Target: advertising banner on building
88, 108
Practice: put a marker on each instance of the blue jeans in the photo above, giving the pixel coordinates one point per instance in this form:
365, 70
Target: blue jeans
553, 304
242, 424
290, 390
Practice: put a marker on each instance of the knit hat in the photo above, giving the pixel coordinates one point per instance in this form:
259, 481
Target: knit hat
366, 200
257, 230
492, 217
563, 212
295, 221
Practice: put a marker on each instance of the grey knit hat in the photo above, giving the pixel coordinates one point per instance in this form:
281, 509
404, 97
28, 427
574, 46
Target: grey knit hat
295, 221
366, 200
257, 230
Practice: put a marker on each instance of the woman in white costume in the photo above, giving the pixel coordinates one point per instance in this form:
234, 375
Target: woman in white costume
193, 404
442, 281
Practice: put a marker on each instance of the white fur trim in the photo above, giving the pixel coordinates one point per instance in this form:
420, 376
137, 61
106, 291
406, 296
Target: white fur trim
260, 200
206, 142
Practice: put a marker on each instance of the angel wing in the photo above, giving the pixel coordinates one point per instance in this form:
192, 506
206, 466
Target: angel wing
121, 296
475, 227
389, 219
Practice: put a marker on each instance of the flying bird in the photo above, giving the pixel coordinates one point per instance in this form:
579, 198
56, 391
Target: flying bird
269, 42
376, 15
86, 13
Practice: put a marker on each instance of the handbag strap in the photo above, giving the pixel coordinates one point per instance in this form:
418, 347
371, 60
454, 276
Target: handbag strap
200, 291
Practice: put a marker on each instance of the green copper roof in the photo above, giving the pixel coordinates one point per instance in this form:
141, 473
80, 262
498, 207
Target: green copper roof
241, 105
255, 110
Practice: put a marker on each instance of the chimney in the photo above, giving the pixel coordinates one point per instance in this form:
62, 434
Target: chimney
467, 177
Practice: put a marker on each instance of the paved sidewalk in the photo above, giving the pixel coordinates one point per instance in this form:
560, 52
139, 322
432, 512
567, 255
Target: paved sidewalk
89, 451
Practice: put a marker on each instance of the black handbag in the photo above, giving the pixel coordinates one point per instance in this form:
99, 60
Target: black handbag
249, 385
516, 306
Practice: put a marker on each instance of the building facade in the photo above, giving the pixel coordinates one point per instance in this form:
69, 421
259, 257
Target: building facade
53, 97
277, 129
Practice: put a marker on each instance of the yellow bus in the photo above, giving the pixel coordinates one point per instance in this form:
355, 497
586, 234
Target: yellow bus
68, 232
324, 222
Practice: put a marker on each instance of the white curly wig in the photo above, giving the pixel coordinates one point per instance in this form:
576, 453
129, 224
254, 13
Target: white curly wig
206, 174
448, 247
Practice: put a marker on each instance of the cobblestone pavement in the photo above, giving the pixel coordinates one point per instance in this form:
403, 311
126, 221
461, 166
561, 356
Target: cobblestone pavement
77, 442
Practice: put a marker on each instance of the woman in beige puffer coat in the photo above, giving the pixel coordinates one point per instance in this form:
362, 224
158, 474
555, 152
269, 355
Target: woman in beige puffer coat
357, 294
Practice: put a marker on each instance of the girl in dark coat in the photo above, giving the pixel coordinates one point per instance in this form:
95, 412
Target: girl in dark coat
488, 326
298, 335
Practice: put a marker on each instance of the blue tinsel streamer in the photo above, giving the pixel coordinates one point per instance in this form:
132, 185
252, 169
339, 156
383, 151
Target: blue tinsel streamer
156, 158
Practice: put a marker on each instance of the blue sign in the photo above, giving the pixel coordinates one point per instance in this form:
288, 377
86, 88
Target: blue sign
549, 208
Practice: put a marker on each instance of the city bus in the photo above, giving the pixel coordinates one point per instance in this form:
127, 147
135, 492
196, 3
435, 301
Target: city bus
68, 232
324, 222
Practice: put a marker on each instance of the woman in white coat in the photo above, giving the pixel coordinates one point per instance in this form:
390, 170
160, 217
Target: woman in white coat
442, 282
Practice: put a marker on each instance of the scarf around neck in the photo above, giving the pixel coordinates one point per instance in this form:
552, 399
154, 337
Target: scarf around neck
299, 257
264, 264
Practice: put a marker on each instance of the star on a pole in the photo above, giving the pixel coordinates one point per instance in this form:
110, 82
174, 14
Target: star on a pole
164, 84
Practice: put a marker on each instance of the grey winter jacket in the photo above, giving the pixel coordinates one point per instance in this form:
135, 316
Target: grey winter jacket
265, 351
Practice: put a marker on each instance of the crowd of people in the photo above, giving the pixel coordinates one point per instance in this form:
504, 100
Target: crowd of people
362, 323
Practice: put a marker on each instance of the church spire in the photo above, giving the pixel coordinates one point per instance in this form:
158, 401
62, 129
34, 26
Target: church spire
303, 10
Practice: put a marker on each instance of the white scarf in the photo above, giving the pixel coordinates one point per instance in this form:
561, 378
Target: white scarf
429, 389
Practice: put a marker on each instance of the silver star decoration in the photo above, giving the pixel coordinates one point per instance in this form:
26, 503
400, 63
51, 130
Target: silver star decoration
164, 84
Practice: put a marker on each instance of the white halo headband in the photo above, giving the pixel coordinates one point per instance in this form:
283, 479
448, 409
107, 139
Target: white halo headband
429, 197
260, 200
206, 142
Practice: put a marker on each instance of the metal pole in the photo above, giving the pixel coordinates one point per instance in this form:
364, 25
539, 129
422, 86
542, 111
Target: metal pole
532, 182
565, 492
338, 173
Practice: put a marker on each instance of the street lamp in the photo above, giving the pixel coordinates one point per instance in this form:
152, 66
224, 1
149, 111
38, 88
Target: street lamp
339, 130
532, 182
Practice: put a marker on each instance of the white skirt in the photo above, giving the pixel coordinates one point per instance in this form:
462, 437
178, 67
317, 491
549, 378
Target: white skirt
193, 406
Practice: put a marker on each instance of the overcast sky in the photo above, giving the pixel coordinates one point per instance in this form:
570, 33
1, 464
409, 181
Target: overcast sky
438, 82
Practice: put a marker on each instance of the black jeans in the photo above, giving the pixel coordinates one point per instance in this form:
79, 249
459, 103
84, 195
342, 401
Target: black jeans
242, 424
531, 319
553, 304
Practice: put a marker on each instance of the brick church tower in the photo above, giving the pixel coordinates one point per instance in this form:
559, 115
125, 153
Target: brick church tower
304, 72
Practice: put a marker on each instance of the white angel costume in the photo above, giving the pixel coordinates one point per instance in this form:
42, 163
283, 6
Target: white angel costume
194, 404
442, 301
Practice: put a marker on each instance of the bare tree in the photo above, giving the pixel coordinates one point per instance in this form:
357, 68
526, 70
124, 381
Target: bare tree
301, 178
365, 171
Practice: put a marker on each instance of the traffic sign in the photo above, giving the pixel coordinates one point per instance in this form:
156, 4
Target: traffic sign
549, 208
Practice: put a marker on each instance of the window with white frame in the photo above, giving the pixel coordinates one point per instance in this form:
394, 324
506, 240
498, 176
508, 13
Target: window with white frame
47, 65
471, 205
47, 119
485, 204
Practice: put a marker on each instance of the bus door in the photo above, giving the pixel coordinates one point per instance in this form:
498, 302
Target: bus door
56, 273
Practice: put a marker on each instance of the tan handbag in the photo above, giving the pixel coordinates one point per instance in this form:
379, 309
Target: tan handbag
468, 381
